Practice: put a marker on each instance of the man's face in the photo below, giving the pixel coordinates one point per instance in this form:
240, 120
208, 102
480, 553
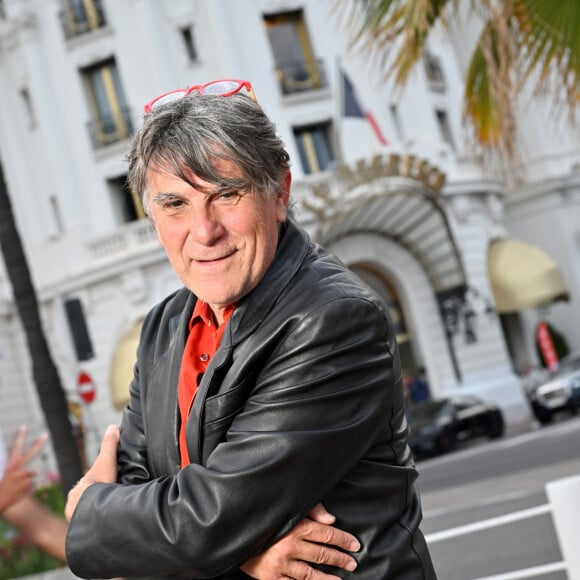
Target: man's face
220, 243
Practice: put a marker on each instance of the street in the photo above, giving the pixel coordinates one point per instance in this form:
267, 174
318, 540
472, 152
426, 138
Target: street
485, 506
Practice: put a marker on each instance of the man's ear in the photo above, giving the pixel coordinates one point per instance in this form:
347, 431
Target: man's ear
284, 197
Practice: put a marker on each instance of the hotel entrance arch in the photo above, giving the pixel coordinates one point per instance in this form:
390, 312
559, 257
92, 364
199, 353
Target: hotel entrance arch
384, 219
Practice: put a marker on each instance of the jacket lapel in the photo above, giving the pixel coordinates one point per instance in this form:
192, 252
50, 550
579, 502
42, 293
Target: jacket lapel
163, 412
247, 316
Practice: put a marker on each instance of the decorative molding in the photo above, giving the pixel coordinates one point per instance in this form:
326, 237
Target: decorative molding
134, 285
337, 190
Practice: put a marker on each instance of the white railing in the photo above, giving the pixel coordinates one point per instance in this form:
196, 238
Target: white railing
132, 238
564, 506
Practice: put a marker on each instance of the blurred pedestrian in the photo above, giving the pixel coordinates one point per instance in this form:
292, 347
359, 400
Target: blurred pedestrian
419, 387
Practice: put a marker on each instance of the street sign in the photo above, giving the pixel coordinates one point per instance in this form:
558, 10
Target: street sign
86, 387
547, 347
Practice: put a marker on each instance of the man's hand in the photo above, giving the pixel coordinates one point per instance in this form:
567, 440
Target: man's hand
103, 470
17, 480
313, 540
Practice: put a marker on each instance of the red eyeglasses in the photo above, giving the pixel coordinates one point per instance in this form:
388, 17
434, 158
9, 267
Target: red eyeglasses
222, 88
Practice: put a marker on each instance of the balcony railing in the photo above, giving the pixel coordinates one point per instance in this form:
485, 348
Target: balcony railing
86, 18
301, 76
109, 129
129, 239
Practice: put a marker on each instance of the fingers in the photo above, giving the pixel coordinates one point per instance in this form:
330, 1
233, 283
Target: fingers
34, 448
15, 484
20, 456
302, 571
309, 542
17, 444
324, 534
318, 547
104, 469
319, 514
110, 441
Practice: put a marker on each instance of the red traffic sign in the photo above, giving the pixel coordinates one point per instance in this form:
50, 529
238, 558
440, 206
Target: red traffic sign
86, 387
547, 347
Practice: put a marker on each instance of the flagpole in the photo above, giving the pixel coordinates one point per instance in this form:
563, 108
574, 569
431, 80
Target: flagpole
338, 133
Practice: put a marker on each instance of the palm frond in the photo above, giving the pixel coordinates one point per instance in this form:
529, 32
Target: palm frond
550, 44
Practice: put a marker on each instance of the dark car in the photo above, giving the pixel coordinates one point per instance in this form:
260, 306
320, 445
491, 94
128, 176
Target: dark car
559, 392
438, 426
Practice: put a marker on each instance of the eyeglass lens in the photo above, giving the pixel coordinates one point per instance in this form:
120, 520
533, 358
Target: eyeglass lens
221, 87
174, 96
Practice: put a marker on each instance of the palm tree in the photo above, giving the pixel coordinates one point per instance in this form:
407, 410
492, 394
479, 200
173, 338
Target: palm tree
521, 41
48, 385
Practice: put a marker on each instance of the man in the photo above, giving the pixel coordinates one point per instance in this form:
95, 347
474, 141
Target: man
21, 509
268, 384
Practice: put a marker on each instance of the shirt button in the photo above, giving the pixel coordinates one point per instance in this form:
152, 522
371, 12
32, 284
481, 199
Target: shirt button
204, 357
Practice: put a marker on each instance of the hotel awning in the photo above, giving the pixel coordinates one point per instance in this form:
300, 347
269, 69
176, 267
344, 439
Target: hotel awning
122, 365
413, 217
523, 276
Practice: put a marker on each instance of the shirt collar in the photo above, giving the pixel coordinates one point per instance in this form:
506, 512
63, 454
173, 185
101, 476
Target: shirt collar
203, 311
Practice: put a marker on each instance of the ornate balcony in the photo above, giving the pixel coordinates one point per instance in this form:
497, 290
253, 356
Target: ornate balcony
109, 129
301, 76
82, 18
129, 240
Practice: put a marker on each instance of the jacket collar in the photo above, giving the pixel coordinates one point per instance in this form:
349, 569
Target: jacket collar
254, 307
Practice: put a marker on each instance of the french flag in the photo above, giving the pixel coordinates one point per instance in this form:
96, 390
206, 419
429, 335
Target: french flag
351, 107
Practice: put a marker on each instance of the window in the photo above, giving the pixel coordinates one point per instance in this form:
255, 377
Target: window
296, 68
81, 16
111, 121
27, 101
189, 43
434, 72
125, 200
79, 330
393, 109
56, 215
314, 147
445, 127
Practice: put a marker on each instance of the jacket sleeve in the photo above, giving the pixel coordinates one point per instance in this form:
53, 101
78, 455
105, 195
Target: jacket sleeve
322, 399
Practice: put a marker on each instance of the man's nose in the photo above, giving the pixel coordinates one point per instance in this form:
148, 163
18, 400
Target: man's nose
205, 226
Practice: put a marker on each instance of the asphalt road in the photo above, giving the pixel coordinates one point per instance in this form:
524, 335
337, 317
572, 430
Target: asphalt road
497, 479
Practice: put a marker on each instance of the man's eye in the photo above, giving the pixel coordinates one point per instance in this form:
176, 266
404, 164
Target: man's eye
228, 197
173, 204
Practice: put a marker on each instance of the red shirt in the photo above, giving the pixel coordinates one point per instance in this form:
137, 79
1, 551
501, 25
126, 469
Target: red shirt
202, 343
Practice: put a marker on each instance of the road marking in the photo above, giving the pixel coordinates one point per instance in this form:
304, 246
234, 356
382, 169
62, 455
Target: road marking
486, 524
528, 572
514, 495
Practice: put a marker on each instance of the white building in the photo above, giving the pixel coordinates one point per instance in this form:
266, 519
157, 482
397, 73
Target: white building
415, 217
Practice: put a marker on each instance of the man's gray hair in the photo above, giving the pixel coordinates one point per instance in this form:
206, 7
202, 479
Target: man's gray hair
194, 132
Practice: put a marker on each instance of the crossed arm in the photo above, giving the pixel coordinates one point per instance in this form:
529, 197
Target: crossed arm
209, 518
313, 540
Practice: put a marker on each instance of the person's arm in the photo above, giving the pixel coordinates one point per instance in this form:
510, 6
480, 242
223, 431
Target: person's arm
311, 416
41, 526
313, 540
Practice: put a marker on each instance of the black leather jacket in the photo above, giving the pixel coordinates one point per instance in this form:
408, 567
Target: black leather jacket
301, 403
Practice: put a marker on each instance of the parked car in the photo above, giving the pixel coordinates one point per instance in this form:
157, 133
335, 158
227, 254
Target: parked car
437, 426
559, 392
